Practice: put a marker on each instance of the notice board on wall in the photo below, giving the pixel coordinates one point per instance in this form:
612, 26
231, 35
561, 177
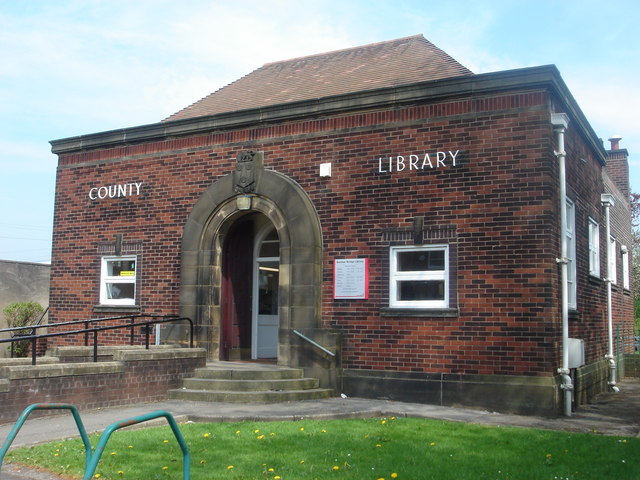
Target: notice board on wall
351, 278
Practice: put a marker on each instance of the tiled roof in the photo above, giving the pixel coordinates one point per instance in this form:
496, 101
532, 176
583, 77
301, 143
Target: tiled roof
386, 64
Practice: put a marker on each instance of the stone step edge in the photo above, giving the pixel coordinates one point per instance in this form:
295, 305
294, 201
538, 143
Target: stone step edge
231, 374
253, 385
232, 397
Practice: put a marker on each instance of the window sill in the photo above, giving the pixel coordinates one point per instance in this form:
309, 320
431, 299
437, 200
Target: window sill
419, 312
117, 308
595, 280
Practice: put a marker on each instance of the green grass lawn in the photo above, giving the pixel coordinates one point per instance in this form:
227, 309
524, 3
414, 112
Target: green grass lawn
401, 448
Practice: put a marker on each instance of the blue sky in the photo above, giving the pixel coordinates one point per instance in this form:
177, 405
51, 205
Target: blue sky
72, 67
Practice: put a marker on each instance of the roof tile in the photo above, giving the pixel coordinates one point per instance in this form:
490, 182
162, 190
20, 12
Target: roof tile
392, 63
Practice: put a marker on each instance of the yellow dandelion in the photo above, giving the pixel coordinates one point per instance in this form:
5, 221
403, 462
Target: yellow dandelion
394, 475
256, 431
272, 434
97, 475
323, 431
383, 422
393, 418
549, 455
165, 441
277, 477
260, 437
165, 468
206, 435
113, 453
432, 444
130, 446
301, 462
237, 432
230, 467
336, 467
302, 429
381, 478
120, 472
202, 462
378, 445
270, 470
56, 454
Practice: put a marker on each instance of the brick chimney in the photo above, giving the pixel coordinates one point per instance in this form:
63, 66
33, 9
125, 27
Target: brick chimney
618, 165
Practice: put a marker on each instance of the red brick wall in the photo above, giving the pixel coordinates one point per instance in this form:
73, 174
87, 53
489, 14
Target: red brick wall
140, 381
500, 203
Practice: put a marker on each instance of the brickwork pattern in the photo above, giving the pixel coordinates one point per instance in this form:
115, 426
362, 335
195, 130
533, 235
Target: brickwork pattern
500, 202
138, 381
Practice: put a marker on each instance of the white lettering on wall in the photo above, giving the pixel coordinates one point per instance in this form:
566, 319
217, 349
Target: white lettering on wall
115, 191
398, 163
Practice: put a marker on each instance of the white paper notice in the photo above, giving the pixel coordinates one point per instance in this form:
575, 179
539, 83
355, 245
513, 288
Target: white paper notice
351, 278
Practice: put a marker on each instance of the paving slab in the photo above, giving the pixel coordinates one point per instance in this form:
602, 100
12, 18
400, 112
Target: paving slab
610, 414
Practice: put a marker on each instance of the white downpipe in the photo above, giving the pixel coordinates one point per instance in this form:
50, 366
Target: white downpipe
560, 121
608, 202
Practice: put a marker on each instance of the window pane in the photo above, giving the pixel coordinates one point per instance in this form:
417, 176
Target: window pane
121, 268
421, 290
268, 282
120, 291
270, 245
421, 261
270, 249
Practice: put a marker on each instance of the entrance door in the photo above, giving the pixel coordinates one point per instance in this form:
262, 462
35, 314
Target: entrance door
266, 281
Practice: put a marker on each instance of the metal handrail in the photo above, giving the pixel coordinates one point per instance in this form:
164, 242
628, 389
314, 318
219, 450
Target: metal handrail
26, 327
315, 344
87, 330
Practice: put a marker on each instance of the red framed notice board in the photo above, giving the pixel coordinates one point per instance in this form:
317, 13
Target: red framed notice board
351, 278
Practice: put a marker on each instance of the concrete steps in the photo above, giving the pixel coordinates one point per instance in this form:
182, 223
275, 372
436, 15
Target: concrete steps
238, 382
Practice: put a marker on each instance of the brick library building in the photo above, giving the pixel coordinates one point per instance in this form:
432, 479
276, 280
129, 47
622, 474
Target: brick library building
382, 217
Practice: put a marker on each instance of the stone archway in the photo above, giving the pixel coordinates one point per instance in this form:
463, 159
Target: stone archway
290, 210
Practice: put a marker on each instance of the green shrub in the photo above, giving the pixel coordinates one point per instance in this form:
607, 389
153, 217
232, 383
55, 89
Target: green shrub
21, 314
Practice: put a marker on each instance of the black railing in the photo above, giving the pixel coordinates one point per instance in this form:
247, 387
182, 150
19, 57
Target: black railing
133, 321
19, 334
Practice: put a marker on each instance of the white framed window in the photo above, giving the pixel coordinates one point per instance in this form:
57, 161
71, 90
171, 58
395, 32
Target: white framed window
626, 280
594, 248
612, 270
571, 253
419, 277
118, 280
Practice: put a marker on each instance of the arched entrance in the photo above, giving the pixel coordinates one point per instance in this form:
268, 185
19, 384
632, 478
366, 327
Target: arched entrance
227, 210
250, 289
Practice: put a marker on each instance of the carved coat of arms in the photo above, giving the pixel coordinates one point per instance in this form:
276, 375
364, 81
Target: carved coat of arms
248, 168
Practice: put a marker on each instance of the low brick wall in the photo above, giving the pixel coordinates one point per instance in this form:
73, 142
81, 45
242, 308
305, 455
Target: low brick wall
132, 376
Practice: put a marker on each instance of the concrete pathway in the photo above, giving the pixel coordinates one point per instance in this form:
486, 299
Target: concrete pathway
609, 414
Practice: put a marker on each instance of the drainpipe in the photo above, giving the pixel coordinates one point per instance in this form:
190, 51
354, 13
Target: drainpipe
560, 121
607, 203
